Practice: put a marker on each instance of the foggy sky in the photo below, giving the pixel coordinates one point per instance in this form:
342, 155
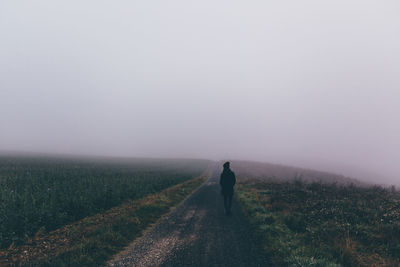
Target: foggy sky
308, 83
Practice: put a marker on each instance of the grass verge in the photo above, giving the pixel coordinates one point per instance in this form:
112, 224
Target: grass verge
93, 240
314, 224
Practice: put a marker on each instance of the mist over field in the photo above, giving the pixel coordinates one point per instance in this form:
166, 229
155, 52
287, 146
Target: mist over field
313, 84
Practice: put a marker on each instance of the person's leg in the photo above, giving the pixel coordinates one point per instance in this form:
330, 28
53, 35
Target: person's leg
229, 203
226, 203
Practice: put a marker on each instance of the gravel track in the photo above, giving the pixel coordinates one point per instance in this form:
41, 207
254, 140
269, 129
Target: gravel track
198, 233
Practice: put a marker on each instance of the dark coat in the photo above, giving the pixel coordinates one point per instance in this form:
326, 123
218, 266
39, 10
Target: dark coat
227, 181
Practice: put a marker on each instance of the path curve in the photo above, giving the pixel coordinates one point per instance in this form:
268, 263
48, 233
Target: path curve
197, 233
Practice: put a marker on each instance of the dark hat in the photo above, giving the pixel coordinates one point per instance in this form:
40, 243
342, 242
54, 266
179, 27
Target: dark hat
226, 164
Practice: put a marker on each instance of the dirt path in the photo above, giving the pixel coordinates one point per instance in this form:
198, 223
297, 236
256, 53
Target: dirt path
198, 233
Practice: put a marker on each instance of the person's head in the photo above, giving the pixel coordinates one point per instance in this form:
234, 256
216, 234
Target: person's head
226, 165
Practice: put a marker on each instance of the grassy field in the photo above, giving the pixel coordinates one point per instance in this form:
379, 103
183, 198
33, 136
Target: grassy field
283, 173
41, 194
317, 224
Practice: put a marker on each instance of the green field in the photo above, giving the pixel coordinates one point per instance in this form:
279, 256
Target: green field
41, 194
317, 224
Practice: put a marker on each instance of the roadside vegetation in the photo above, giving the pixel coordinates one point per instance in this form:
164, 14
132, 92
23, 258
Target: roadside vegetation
40, 195
316, 224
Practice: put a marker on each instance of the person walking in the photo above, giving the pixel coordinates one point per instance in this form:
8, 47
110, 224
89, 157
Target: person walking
227, 182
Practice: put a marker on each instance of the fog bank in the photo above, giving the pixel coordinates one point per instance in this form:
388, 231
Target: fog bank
312, 84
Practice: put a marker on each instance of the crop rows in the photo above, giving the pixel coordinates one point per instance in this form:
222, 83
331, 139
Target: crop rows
43, 194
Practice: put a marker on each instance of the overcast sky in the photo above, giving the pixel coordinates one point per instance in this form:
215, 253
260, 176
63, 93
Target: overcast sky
309, 83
